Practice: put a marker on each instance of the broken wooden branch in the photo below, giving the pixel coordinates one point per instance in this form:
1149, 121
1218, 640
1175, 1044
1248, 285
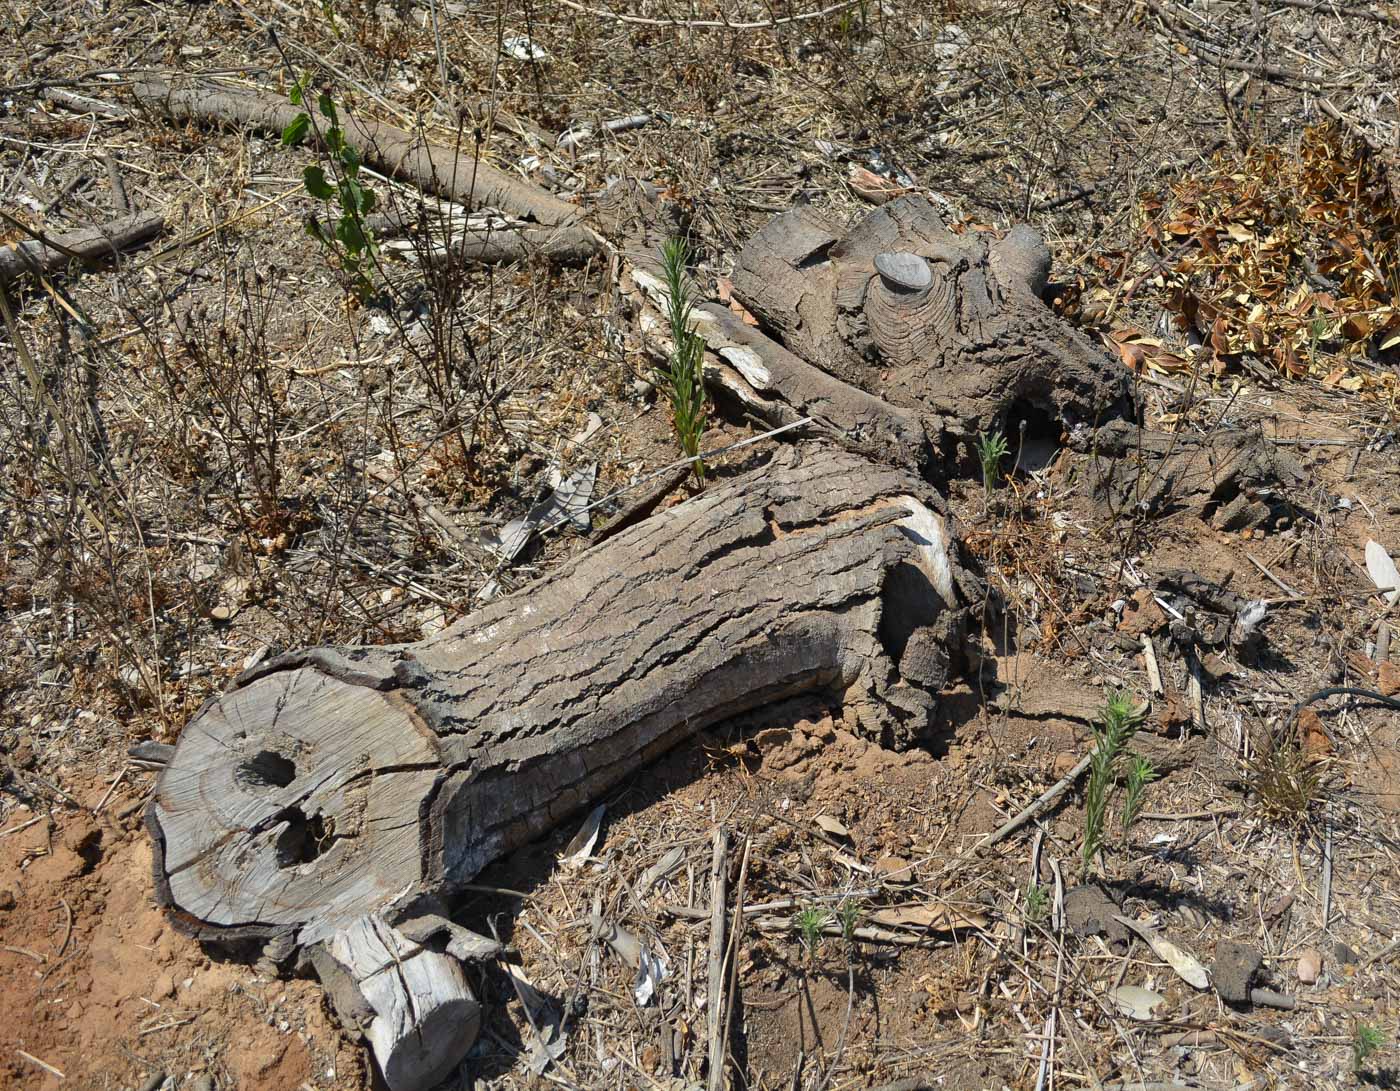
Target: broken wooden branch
46, 255
498, 245
411, 156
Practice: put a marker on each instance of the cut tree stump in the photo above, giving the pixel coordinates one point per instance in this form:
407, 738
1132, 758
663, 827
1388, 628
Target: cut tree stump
901, 338
334, 796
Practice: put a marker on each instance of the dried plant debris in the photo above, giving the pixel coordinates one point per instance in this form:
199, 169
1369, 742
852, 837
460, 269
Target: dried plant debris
1289, 258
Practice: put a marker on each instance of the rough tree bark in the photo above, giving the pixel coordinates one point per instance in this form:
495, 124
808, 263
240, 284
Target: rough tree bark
322, 800
329, 802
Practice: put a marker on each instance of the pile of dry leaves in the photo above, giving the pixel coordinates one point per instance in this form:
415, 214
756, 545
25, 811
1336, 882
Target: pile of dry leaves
1269, 257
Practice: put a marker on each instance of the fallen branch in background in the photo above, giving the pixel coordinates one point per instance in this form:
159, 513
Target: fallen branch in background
44, 255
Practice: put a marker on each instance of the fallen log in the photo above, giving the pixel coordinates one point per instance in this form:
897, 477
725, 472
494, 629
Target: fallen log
42, 257
498, 245
333, 793
433, 168
329, 804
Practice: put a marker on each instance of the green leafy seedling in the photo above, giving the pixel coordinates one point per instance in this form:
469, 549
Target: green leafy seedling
1365, 1041
991, 450
348, 240
1140, 775
810, 923
849, 916
1037, 903
1117, 723
683, 378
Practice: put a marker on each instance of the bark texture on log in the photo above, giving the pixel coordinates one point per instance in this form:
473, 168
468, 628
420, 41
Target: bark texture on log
942, 326
89, 244
333, 790
434, 168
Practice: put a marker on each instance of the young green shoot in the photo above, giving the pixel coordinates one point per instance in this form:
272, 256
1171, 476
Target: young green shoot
1365, 1041
1118, 721
849, 916
348, 241
1140, 775
682, 378
810, 922
991, 449
1037, 903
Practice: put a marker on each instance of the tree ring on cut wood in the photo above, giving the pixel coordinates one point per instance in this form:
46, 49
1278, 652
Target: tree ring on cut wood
272, 801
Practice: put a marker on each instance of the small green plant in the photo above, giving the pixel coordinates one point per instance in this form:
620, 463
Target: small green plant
849, 916
1365, 1041
991, 449
1140, 775
1118, 722
682, 378
810, 923
349, 241
1037, 903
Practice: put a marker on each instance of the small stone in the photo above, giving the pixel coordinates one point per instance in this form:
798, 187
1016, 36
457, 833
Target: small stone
1309, 966
7, 899
643, 389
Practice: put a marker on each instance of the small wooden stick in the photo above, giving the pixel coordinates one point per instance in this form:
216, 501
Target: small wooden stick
1154, 672
1289, 591
42, 1064
716, 965
114, 175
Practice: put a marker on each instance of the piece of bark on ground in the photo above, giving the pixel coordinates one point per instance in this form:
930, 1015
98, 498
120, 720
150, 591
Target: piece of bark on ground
1234, 477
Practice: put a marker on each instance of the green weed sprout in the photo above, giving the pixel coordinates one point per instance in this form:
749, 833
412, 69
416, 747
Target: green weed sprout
682, 377
349, 240
1140, 775
1037, 903
810, 923
849, 915
991, 449
1118, 722
1364, 1042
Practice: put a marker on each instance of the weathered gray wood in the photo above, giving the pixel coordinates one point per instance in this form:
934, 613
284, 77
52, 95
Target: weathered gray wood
434, 168
332, 789
90, 244
943, 325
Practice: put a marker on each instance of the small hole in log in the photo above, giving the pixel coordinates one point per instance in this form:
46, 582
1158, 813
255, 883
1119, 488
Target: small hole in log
266, 769
1036, 447
304, 839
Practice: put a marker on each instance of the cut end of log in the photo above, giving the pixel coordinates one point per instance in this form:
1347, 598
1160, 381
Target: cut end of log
292, 804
